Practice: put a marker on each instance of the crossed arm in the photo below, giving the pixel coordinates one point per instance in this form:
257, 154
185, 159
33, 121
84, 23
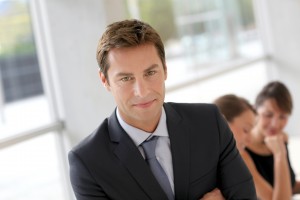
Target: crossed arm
213, 195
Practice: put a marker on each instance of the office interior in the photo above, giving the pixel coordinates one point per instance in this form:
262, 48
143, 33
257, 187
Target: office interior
51, 96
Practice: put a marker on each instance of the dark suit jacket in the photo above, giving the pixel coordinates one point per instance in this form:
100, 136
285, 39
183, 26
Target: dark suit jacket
108, 165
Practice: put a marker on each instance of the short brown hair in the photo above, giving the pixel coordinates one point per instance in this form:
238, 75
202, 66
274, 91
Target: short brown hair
127, 33
279, 92
231, 106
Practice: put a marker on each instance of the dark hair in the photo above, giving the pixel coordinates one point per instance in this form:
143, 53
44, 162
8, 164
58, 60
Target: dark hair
277, 91
232, 106
127, 33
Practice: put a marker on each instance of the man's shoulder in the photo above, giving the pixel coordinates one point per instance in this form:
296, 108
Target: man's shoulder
96, 138
190, 107
192, 112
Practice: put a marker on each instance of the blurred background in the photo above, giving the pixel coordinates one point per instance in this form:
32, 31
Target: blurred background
51, 97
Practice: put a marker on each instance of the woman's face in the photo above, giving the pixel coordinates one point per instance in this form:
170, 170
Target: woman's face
241, 127
271, 120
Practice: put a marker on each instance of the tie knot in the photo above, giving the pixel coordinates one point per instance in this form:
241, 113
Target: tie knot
149, 147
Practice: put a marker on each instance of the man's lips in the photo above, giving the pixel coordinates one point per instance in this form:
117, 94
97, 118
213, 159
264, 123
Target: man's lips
144, 104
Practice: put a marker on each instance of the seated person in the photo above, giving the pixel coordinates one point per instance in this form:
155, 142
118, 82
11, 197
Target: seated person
268, 158
240, 116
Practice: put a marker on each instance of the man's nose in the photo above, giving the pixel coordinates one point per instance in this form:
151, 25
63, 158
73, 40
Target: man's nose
140, 87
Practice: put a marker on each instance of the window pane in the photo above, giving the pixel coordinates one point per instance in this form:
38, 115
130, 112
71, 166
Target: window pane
200, 34
22, 102
31, 170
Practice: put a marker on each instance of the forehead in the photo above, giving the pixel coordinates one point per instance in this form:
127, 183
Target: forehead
131, 56
247, 117
270, 105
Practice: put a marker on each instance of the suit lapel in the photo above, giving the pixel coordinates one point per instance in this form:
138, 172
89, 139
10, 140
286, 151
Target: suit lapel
178, 133
132, 159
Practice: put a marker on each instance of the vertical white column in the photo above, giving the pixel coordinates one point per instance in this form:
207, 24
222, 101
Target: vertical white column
71, 30
281, 33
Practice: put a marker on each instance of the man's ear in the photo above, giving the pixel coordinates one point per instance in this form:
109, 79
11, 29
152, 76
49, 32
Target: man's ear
104, 81
166, 72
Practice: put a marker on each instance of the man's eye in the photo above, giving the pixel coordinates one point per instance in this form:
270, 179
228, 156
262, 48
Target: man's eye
151, 73
126, 78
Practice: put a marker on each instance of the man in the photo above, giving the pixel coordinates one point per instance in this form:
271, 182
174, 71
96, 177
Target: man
194, 145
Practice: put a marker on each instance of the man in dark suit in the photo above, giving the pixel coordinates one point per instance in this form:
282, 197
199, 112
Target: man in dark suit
194, 145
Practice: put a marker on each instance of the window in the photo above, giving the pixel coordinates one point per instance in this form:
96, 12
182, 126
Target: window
31, 170
201, 35
22, 97
30, 145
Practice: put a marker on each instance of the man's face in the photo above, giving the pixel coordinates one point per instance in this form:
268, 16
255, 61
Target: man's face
136, 79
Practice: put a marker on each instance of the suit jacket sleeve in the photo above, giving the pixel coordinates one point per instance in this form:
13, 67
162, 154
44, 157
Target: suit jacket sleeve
235, 180
84, 185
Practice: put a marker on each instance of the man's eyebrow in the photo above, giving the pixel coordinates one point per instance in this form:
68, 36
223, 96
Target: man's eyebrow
123, 74
131, 74
151, 67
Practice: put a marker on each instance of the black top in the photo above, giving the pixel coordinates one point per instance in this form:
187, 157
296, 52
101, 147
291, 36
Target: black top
265, 166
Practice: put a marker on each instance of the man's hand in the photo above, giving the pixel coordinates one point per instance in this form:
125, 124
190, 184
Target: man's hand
213, 195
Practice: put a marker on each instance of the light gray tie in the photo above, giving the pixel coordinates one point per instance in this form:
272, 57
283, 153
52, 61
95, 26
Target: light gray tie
157, 170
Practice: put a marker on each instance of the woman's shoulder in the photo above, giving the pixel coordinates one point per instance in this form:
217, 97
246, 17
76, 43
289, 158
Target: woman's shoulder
245, 155
248, 160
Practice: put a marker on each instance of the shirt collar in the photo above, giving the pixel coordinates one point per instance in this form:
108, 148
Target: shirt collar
138, 136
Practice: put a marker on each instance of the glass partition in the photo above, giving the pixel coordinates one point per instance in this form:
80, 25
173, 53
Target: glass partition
32, 165
201, 35
23, 105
